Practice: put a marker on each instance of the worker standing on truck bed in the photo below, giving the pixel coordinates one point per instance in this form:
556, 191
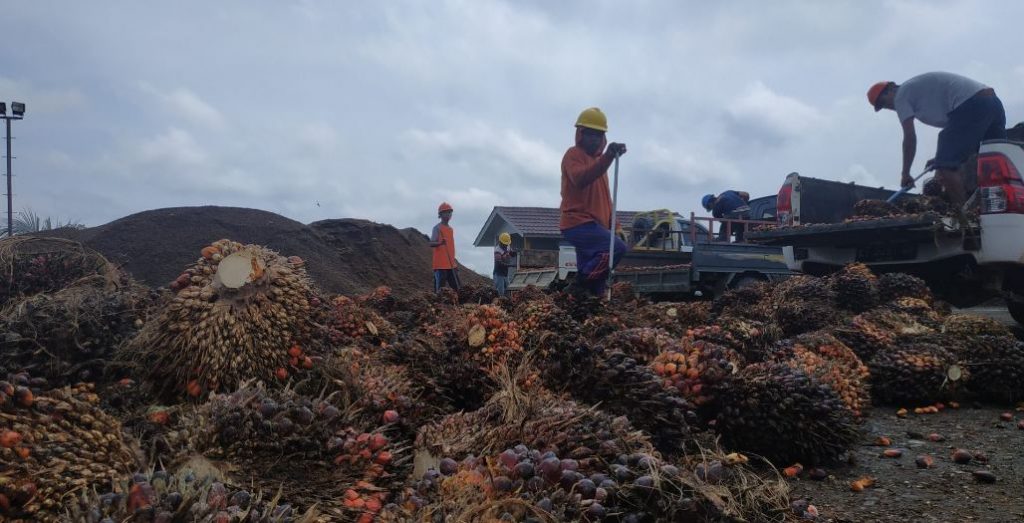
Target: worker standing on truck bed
586, 209
967, 111
503, 255
442, 241
730, 205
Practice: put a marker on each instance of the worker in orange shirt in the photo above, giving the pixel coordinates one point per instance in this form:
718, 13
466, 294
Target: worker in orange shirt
442, 241
586, 209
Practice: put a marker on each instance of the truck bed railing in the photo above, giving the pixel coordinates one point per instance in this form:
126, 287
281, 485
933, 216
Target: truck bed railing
728, 223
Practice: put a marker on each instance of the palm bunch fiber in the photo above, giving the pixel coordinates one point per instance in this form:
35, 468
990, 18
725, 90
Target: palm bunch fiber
915, 372
855, 287
240, 312
71, 334
785, 415
56, 442
159, 496
823, 357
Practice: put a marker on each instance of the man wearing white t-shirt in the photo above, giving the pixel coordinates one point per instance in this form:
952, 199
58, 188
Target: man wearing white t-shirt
967, 111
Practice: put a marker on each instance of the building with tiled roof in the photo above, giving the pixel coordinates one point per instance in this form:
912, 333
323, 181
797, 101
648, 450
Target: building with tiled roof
530, 227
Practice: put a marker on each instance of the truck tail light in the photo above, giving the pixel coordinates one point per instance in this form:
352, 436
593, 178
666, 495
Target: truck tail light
784, 205
1000, 185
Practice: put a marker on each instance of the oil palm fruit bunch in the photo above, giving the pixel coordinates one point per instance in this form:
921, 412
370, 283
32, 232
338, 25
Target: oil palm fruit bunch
642, 343
544, 421
785, 415
33, 265
828, 360
52, 443
749, 301
876, 330
875, 209
964, 325
79, 326
161, 497
624, 386
914, 372
236, 314
920, 310
487, 332
579, 303
349, 322
800, 316
893, 285
381, 299
546, 328
856, 287
447, 371
696, 368
751, 338
997, 368
473, 294
675, 318
600, 325
623, 294
801, 288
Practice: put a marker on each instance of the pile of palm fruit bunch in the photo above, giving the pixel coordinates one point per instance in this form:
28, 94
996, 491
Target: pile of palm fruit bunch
907, 205
34, 265
53, 442
642, 343
874, 209
674, 318
239, 312
894, 285
349, 322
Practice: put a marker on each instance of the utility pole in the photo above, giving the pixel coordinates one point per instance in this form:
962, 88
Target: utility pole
17, 113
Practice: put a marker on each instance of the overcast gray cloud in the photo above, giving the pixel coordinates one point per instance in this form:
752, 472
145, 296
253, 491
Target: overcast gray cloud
381, 110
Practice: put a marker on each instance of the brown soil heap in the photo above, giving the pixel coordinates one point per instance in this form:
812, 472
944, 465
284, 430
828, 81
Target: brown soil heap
344, 256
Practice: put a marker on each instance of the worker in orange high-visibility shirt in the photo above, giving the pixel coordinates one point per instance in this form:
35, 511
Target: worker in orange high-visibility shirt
442, 241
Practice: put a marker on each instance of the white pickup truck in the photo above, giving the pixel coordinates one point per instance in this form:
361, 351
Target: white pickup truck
965, 263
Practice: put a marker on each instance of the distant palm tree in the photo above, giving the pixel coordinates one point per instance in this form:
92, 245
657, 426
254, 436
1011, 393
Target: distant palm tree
27, 222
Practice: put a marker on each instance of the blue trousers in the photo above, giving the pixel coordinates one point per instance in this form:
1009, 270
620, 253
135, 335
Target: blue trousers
977, 119
442, 276
591, 242
500, 284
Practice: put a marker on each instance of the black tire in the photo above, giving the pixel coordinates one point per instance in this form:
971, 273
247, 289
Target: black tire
1016, 309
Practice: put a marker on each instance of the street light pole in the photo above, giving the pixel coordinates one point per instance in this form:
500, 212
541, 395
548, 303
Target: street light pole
17, 113
10, 190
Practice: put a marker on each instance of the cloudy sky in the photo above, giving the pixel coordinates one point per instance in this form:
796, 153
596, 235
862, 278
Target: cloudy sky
381, 110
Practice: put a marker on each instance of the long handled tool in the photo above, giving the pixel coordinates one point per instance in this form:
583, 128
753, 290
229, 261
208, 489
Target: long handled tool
611, 242
904, 190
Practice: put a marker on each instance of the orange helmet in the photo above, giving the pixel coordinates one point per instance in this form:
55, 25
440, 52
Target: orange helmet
875, 93
443, 207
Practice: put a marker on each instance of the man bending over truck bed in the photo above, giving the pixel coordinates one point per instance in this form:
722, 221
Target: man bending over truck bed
587, 202
967, 111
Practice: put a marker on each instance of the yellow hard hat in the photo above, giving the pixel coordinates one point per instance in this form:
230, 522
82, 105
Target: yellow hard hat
505, 238
593, 118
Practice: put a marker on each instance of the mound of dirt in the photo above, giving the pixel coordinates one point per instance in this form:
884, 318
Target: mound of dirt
345, 256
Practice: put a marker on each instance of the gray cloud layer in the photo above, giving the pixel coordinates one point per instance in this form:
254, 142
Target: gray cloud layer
382, 110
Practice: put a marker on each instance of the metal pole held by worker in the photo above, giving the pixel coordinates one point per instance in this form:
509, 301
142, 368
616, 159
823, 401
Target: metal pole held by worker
611, 243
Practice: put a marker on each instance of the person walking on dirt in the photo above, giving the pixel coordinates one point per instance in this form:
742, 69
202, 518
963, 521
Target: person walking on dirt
442, 241
503, 255
586, 209
730, 205
967, 111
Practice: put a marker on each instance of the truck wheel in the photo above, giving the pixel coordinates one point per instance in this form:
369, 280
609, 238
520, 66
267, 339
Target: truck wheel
746, 280
1016, 310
